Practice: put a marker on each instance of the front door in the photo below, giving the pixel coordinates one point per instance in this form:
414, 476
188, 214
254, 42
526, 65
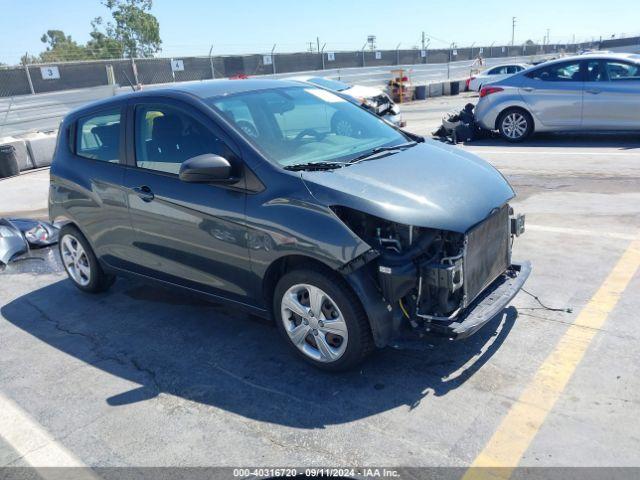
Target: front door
612, 95
192, 234
554, 94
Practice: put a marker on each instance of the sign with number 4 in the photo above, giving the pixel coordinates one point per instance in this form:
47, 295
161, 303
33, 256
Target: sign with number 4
177, 65
50, 73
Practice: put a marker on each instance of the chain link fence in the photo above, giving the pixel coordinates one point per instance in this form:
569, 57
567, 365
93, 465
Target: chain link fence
21, 80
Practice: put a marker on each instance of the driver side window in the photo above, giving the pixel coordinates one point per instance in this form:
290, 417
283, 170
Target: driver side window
165, 137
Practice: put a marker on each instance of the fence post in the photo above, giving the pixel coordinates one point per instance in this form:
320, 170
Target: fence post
26, 70
135, 71
213, 72
273, 59
111, 78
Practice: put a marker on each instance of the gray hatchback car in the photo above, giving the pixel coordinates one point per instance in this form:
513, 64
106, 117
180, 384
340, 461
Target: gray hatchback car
587, 92
242, 191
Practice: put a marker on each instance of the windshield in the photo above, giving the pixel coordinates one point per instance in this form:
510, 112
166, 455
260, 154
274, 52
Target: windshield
330, 84
298, 125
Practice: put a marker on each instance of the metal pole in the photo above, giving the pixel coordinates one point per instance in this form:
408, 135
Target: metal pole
26, 70
398, 54
273, 59
363, 47
322, 55
135, 71
513, 30
213, 72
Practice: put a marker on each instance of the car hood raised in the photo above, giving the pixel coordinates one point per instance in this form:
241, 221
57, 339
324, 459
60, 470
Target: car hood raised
429, 185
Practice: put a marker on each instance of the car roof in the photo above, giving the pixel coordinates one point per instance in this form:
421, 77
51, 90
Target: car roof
507, 65
201, 89
597, 56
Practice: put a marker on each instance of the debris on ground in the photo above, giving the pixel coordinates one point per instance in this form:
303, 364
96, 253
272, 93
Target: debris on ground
19, 235
459, 127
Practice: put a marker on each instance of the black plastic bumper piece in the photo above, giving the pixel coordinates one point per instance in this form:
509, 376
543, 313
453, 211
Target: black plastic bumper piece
489, 304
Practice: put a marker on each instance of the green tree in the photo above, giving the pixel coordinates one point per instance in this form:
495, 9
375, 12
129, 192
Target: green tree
27, 59
137, 30
61, 47
101, 45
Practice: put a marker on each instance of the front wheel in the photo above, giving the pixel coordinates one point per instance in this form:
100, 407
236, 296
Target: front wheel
321, 319
515, 125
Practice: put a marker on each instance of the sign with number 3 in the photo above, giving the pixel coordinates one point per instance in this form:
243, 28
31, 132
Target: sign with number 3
50, 73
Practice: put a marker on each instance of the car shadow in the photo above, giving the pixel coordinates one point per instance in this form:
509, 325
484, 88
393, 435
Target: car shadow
176, 344
618, 140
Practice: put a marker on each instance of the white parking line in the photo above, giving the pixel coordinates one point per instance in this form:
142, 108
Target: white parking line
33, 443
579, 231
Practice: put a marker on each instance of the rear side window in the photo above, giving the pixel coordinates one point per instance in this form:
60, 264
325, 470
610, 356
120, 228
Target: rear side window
617, 71
98, 136
559, 72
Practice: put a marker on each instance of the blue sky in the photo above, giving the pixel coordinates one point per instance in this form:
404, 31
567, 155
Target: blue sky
190, 27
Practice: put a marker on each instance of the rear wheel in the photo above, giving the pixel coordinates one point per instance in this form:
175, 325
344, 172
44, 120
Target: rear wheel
515, 125
322, 319
81, 263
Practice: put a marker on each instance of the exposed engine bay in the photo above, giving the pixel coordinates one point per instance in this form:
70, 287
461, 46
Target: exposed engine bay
431, 276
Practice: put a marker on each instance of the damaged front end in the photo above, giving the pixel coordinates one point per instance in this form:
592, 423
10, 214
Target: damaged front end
435, 281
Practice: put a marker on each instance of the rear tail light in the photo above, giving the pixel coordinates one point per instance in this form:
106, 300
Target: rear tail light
469, 81
489, 90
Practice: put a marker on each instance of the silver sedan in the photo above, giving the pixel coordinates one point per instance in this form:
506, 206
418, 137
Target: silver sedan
594, 92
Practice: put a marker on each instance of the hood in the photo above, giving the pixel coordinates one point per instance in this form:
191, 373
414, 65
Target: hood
429, 185
360, 91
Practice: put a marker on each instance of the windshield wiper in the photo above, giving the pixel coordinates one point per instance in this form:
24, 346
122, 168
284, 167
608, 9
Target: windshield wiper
315, 166
375, 151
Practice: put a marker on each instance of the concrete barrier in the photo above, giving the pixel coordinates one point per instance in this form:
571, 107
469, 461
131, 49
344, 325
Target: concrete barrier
436, 89
22, 154
41, 150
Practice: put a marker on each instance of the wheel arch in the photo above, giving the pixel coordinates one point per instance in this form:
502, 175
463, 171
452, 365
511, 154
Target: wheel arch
279, 268
515, 107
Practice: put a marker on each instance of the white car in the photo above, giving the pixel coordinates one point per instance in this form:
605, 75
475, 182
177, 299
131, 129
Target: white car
494, 74
371, 98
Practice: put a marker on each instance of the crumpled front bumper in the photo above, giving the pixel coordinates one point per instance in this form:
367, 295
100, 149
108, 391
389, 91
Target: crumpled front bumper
490, 303
395, 119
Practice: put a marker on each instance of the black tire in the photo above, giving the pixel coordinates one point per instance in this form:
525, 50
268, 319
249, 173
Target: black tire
98, 280
360, 341
518, 115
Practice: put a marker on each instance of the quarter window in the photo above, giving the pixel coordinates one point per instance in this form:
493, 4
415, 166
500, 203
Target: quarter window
618, 71
165, 137
560, 72
98, 136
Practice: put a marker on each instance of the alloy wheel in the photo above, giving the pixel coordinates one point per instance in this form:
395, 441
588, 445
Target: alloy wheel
314, 323
75, 260
515, 125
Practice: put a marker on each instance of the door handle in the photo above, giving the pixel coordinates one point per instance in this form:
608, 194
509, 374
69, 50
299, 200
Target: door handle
593, 91
528, 89
144, 193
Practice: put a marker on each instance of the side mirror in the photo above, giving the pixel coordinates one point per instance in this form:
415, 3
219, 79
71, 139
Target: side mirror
206, 168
